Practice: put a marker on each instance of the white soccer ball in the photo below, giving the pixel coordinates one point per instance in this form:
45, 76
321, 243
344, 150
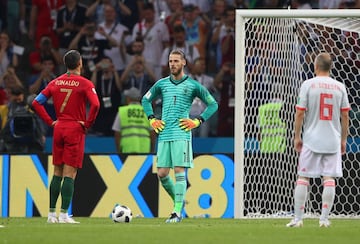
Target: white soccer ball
121, 214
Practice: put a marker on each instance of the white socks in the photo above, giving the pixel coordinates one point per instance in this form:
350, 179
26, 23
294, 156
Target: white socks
328, 196
300, 197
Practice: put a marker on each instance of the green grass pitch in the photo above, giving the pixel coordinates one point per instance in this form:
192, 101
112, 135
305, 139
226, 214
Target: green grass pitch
154, 230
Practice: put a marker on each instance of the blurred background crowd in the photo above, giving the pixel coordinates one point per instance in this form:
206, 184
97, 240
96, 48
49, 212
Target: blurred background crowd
124, 44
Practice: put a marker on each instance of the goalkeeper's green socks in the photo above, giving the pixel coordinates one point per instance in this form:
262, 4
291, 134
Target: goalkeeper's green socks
180, 190
67, 191
168, 185
54, 190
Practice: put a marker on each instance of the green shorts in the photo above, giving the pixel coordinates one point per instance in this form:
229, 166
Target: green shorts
172, 154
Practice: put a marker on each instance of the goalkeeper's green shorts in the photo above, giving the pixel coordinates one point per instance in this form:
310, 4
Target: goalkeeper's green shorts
172, 154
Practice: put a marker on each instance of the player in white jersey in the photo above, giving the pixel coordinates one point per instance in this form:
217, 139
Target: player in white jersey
323, 107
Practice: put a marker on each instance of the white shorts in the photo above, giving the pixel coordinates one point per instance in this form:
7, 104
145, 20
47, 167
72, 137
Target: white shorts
315, 165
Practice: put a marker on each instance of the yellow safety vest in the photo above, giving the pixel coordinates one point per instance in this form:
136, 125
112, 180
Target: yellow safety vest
273, 129
135, 129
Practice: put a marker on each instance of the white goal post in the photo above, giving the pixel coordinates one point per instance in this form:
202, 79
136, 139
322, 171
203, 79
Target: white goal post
274, 52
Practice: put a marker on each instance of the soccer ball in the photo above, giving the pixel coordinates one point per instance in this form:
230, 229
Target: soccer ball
121, 214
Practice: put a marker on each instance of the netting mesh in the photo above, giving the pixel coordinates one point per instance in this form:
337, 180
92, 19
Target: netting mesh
279, 56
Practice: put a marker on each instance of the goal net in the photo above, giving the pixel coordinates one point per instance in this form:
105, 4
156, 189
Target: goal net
275, 51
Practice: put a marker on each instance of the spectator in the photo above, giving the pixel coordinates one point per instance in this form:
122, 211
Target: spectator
224, 38
301, 4
195, 28
201, 5
116, 30
7, 56
70, 19
15, 16
162, 9
208, 127
8, 80
91, 49
136, 47
138, 74
96, 11
240, 4
132, 130
45, 49
129, 12
228, 41
191, 52
23, 131
37, 83
108, 86
43, 20
155, 36
216, 17
225, 83
329, 4
175, 17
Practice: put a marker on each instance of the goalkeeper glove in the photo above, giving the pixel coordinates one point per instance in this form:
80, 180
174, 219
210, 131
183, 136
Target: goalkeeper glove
189, 124
157, 124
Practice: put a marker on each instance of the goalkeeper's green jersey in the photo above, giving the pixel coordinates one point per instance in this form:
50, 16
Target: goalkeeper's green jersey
177, 97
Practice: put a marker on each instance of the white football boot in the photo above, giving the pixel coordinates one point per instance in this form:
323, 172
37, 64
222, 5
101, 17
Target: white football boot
324, 223
295, 223
64, 218
52, 218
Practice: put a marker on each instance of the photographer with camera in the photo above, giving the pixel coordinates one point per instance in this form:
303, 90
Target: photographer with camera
108, 86
23, 131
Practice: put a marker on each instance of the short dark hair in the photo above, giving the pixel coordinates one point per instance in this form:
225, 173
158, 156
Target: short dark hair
148, 5
47, 58
179, 28
72, 59
17, 90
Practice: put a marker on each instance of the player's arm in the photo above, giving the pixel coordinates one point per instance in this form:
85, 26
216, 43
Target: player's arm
37, 105
147, 99
94, 107
211, 107
157, 124
209, 100
299, 118
344, 129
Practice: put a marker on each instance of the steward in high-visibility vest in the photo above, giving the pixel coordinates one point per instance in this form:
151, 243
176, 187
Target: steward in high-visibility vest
272, 128
132, 128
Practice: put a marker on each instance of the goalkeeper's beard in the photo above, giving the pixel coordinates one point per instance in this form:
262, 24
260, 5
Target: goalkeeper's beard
175, 71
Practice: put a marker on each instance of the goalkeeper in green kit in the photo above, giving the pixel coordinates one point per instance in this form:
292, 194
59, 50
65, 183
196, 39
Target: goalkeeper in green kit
174, 128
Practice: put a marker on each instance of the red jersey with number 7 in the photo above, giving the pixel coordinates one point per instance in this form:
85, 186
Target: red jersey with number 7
70, 94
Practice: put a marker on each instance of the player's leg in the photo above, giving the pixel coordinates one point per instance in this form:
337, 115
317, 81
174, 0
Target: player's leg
54, 191
55, 184
180, 190
74, 142
328, 196
307, 168
67, 191
331, 167
163, 168
300, 194
182, 158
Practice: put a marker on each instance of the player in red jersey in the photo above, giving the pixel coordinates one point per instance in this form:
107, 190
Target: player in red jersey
70, 93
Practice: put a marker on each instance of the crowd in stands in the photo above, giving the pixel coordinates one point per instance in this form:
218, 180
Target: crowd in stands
124, 44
